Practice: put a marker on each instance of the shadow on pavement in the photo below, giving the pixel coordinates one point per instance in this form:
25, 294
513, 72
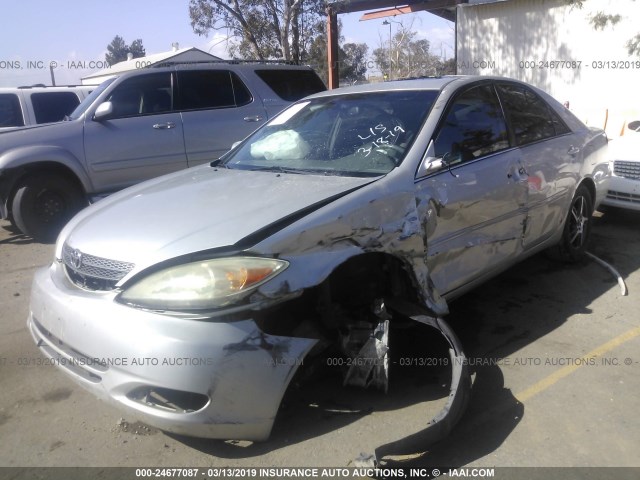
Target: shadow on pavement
15, 236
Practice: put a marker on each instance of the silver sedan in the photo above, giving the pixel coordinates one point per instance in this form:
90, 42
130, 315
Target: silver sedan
191, 300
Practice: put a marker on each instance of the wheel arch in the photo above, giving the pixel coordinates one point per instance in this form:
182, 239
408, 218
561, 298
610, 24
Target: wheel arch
20, 173
388, 273
591, 187
352, 285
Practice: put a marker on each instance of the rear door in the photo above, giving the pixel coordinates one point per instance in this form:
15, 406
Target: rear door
143, 137
472, 193
217, 110
549, 153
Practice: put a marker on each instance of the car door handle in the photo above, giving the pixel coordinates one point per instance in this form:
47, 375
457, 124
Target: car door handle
255, 118
518, 173
573, 150
164, 126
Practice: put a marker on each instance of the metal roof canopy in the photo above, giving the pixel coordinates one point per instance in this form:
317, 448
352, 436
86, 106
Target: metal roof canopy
384, 8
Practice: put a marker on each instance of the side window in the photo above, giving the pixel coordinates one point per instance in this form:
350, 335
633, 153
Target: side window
204, 89
559, 126
143, 95
530, 116
53, 106
292, 85
473, 127
10, 112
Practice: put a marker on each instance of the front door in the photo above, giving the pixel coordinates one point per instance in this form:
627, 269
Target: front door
141, 139
472, 193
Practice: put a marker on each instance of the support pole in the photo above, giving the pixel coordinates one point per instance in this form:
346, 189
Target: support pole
333, 70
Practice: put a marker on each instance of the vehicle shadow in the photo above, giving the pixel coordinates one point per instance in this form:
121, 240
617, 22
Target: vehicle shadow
493, 322
615, 239
542, 295
492, 415
15, 236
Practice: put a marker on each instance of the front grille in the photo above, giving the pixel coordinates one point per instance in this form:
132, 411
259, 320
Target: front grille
627, 169
623, 197
91, 272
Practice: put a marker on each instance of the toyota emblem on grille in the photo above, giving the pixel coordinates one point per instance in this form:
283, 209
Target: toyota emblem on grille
76, 258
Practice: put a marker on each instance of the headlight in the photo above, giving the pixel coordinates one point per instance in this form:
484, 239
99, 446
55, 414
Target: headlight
202, 285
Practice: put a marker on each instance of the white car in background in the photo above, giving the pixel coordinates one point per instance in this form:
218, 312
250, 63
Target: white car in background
624, 186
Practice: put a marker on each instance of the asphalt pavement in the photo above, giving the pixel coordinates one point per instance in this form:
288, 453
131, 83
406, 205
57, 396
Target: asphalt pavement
553, 349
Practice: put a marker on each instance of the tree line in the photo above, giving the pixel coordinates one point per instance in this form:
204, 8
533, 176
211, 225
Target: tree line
295, 30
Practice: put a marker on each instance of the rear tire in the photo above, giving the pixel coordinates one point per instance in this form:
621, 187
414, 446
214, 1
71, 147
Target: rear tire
577, 227
44, 203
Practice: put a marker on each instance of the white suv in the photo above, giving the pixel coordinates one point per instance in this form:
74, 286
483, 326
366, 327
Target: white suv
24, 106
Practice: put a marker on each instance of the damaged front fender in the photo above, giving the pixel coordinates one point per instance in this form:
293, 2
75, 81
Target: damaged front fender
372, 221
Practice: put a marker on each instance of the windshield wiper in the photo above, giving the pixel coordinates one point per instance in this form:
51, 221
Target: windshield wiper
218, 163
279, 169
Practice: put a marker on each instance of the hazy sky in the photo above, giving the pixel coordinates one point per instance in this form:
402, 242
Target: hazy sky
74, 33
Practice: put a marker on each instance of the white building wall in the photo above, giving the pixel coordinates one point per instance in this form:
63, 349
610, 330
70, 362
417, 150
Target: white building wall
555, 47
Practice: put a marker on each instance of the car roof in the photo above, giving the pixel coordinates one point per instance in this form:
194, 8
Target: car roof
426, 83
240, 65
46, 88
430, 83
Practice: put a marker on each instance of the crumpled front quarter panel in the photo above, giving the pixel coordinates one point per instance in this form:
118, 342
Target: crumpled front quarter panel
381, 217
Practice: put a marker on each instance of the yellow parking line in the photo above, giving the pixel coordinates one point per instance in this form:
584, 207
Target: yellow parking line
546, 382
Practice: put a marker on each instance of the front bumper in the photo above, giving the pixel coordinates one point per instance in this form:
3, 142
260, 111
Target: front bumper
199, 378
623, 193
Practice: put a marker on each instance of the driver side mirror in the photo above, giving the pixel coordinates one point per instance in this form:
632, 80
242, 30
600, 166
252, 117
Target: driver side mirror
103, 112
430, 163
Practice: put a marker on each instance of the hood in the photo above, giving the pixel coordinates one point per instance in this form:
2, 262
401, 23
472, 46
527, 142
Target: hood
41, 127
42, 134
195, 210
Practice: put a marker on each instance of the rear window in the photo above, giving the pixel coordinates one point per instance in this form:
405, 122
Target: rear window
53, 106
292, 85
531, 118
203, 89
10, 112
